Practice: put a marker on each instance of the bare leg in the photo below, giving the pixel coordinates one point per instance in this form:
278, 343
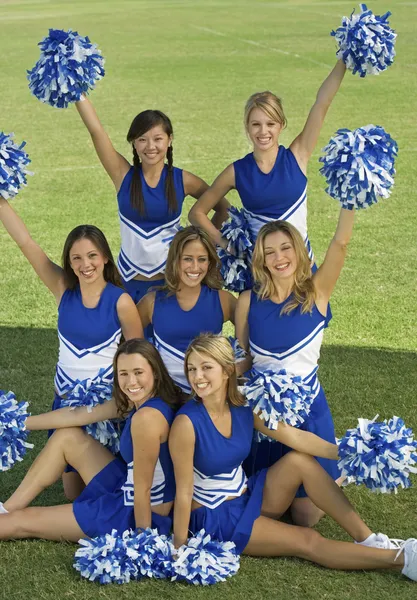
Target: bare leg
66, 446
305, 513
48, 523
294, 469
273, 538
73, 485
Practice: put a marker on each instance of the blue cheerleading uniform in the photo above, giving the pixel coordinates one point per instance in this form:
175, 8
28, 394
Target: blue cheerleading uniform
107, 502
280, 194
218, 475
146, 238
291, 342
175, 328
88, 340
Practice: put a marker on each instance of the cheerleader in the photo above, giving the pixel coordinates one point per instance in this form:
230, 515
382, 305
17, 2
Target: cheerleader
271, 180
210, 438
93, 312
133, 491
191, 301
150, 194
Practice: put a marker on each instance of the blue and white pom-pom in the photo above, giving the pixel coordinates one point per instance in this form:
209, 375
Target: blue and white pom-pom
237, 233
203, 561
359, 166
13, 161
13, 432
69, 66
239, 353
236, 272
380, 455
114, 558
106, 433
366, 42
278, 397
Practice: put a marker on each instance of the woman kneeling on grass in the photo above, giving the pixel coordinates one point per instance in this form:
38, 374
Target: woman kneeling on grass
210, 438
136, 490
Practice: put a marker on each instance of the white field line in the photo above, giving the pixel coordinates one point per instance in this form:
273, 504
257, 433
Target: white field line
259, 45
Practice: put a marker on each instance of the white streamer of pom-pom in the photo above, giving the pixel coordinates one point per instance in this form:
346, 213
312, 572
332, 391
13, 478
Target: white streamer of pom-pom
13, 161
13, 432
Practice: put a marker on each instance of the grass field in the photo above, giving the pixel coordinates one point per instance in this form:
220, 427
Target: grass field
198, 61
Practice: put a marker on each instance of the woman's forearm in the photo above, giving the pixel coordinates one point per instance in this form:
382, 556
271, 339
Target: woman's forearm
331, 84
143, 509
182, 512
72, 417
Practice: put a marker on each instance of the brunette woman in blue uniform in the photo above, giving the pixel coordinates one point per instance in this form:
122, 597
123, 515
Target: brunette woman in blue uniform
150, 194
209, 439
93, 311
135, 490
271, 180
191, 301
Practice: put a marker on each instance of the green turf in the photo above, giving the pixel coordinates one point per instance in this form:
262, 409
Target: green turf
199, 61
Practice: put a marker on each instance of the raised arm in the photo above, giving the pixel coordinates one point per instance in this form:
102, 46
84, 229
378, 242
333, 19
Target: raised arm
242, 330
50, 274
207, 202
115, 164
129, 318
181, 447
72, 417
300, 440
326, 276
145, 309
149, 428
303, 145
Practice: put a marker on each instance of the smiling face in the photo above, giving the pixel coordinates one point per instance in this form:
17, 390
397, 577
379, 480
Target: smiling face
262, 130
194, 264
135, 377
87, 261
206, 376
152, 146
280, 257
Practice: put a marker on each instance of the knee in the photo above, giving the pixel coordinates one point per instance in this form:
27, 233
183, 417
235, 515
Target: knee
304, 513
310, 544
69, 435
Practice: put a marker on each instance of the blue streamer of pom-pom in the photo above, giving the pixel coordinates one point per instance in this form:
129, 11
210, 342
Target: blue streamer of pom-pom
366, 42
115, 558
90, 393
69, 66
359, 166
239, 353
13, 161
278, 396
203, 561
13, 433
380, 455
236, 272
237, 232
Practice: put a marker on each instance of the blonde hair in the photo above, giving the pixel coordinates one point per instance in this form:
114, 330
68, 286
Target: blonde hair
303, 291
213, 279
219, 349
269, 103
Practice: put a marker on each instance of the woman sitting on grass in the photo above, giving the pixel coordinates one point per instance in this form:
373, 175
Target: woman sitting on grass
191, 301
210, 438
136, 490
93, 312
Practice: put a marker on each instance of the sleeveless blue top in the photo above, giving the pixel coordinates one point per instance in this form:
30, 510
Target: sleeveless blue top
175, 328
218, 471
146, 239
279, 194
88, 338
163, 485
289, 341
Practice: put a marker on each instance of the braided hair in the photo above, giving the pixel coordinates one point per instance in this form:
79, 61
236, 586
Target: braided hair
142, 123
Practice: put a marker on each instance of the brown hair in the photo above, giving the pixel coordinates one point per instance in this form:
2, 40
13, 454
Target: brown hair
143, 122
164, 386
269, 103
97, 237
303, 291
219, 349
213, 279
